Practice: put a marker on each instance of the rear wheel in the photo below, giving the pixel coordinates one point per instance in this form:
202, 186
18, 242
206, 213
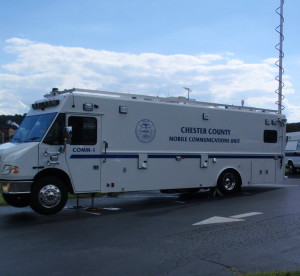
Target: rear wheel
48, 195
17, 200
229, 182
291, 167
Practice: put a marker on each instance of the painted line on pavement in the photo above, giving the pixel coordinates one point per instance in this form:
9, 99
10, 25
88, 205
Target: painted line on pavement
235, 218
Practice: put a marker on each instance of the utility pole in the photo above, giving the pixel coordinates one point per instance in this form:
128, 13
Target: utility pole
188, 90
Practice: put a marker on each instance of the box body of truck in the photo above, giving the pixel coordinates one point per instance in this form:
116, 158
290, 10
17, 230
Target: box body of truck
84, 141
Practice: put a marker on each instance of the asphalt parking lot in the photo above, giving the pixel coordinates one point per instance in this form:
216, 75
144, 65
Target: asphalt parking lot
156, 234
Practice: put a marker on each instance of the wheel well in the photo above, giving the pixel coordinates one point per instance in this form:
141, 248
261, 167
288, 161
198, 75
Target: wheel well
58, 173
231, 170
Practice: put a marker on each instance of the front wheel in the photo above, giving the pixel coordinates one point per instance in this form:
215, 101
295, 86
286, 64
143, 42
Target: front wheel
17, 200
229, 182
48, 195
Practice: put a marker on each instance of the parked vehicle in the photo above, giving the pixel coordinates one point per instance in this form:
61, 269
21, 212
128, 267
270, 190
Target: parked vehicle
292, 151
83, 141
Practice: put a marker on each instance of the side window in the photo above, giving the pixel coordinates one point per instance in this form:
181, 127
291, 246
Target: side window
55, 134
270, 136
84, 130
298, 145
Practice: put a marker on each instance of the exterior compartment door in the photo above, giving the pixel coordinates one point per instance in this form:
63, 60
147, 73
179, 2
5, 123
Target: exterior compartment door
270, 172
263, 171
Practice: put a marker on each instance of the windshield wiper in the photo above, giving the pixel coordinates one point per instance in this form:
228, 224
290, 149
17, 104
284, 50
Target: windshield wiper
33, 138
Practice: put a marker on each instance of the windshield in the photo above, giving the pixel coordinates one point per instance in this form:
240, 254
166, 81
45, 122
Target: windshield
33, 128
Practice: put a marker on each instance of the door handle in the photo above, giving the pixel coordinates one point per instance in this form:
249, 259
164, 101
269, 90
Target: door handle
105, 148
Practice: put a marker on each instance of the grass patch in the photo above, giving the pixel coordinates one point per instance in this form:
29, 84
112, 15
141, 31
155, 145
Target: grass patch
96, 195
2, 202
275, 273
70, 196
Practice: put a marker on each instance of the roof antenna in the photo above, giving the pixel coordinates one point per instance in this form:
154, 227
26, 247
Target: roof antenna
278, 63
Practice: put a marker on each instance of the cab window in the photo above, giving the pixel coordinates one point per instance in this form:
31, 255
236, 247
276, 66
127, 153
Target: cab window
55, 134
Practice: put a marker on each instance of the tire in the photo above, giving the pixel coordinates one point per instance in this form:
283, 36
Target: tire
229, 183
48, 195
17, 200
291, 168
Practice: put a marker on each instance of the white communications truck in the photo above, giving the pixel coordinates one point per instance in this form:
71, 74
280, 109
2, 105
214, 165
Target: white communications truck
83, 141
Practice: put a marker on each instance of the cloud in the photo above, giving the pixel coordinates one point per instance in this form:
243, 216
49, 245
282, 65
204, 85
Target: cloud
222, 78
293, 111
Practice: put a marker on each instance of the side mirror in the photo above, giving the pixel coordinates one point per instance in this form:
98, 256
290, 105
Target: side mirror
67, 137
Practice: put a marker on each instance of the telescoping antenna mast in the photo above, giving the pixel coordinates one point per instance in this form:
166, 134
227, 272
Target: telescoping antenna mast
279, 29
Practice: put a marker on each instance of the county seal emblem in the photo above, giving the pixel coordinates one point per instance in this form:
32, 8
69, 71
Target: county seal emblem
145, 131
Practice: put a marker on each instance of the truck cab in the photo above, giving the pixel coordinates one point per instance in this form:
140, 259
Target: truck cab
292, 152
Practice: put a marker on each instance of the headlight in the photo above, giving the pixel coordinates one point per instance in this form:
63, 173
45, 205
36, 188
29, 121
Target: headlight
7, 169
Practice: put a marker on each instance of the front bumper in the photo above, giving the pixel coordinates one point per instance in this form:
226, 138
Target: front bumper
15, 187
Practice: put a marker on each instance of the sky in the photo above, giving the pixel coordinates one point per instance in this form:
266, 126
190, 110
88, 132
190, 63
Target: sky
223, 50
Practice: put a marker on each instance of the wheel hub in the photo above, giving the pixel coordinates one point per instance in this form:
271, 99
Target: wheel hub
229, 182
49, 196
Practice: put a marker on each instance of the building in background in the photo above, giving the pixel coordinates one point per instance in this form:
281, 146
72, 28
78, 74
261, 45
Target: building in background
6, 133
